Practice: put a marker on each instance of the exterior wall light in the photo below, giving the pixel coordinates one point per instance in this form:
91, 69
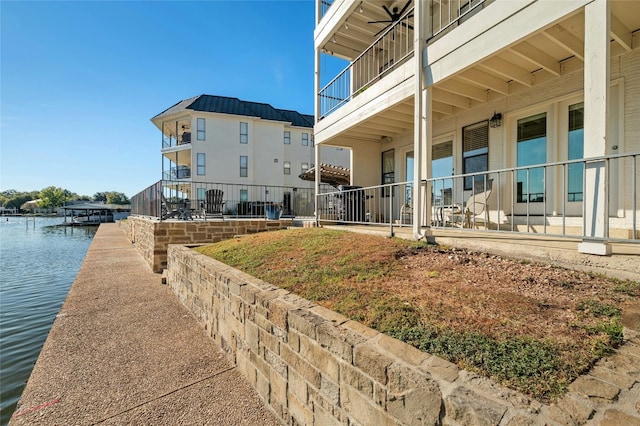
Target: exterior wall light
496, 120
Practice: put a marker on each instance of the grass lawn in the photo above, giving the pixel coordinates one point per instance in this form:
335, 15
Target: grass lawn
529, 326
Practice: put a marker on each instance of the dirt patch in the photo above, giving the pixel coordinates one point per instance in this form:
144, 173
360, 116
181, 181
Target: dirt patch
531, 326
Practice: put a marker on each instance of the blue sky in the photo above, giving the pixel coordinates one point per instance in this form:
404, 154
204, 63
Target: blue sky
80, 80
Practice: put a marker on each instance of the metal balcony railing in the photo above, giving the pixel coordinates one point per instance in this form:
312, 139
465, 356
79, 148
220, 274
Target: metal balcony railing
446, 14
176, 173
169, 141
545, 199
390, 50
324, 6
234, 201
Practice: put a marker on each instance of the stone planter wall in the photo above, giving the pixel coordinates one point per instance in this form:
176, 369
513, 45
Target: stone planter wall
315, 367
152, 237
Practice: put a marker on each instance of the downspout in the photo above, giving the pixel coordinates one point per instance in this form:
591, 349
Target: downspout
418, 120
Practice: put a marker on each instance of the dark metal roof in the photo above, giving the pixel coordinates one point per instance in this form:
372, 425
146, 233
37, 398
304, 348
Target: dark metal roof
297, 119
221, 104
265, 111
235, 106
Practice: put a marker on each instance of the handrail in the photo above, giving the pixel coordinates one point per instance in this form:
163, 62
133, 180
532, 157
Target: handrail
499, 203
470, 5
368, 66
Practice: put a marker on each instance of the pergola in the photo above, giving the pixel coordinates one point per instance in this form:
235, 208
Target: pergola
329, 174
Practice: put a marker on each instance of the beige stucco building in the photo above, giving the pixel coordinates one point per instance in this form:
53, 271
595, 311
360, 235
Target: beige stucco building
245, 148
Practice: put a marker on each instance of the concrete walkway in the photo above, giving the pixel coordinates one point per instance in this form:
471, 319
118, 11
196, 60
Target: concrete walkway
123, 350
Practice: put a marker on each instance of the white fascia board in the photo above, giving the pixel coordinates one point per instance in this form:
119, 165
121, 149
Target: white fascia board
181, 115
337, 14
392, 89
502, 24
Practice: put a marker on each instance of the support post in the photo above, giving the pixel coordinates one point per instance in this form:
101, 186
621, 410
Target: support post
596, 109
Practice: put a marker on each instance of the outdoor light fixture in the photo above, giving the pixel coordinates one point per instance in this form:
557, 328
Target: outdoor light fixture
346, 25
496, 120
360, 7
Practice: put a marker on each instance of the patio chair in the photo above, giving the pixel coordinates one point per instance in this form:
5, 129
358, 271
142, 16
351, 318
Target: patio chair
168, 210
476, 209
214, 204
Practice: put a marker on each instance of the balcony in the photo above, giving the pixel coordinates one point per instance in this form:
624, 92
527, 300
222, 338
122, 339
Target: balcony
170, 141
448, 14
324, 6
390, 50
177, 173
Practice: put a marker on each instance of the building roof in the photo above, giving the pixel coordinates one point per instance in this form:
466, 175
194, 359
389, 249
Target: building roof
100, 207
235, 106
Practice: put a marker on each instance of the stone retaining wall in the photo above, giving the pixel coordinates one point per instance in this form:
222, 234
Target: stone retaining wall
315, 367
152, 237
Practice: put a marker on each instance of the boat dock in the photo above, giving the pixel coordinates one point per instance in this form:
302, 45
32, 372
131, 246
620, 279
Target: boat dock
123, 350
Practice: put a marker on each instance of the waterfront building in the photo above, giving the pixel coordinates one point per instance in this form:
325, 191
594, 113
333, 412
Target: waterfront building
487, 114
218, 140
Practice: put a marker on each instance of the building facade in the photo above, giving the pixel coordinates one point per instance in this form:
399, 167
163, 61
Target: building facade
532, 103
244, 146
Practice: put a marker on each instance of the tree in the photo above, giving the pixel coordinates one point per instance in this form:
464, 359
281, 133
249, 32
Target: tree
18, 200
117, 198
52, 197
100, 196
14, 199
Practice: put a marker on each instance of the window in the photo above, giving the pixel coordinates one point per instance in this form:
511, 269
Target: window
200, 194
575, 150
408, 176
201, 168
287, 138
244, 132
244, 195
441, 167
475, 152
201, 129
305, 167
388, 170
244, 166
305, 139
313, 141
287, 167
531, 150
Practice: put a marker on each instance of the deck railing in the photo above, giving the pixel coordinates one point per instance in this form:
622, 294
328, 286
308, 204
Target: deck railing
390, 50
545, 199
324, 6
446, 14
177, 173
238, 200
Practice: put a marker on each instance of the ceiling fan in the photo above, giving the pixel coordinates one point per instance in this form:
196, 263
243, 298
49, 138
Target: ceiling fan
395, 15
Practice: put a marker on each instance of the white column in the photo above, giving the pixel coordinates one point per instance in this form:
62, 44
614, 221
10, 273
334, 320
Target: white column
596, 111
316, 88
422, 120
317, 182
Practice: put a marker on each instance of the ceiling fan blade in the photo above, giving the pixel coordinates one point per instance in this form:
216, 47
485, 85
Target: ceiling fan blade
388, 11
381, 31
405, 8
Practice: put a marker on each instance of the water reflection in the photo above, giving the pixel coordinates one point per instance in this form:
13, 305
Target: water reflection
39, 263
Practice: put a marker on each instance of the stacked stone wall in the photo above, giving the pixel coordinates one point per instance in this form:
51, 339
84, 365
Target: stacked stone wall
152, 237
313, 366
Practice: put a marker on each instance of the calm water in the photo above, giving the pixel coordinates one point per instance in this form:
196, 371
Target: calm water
37, 267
